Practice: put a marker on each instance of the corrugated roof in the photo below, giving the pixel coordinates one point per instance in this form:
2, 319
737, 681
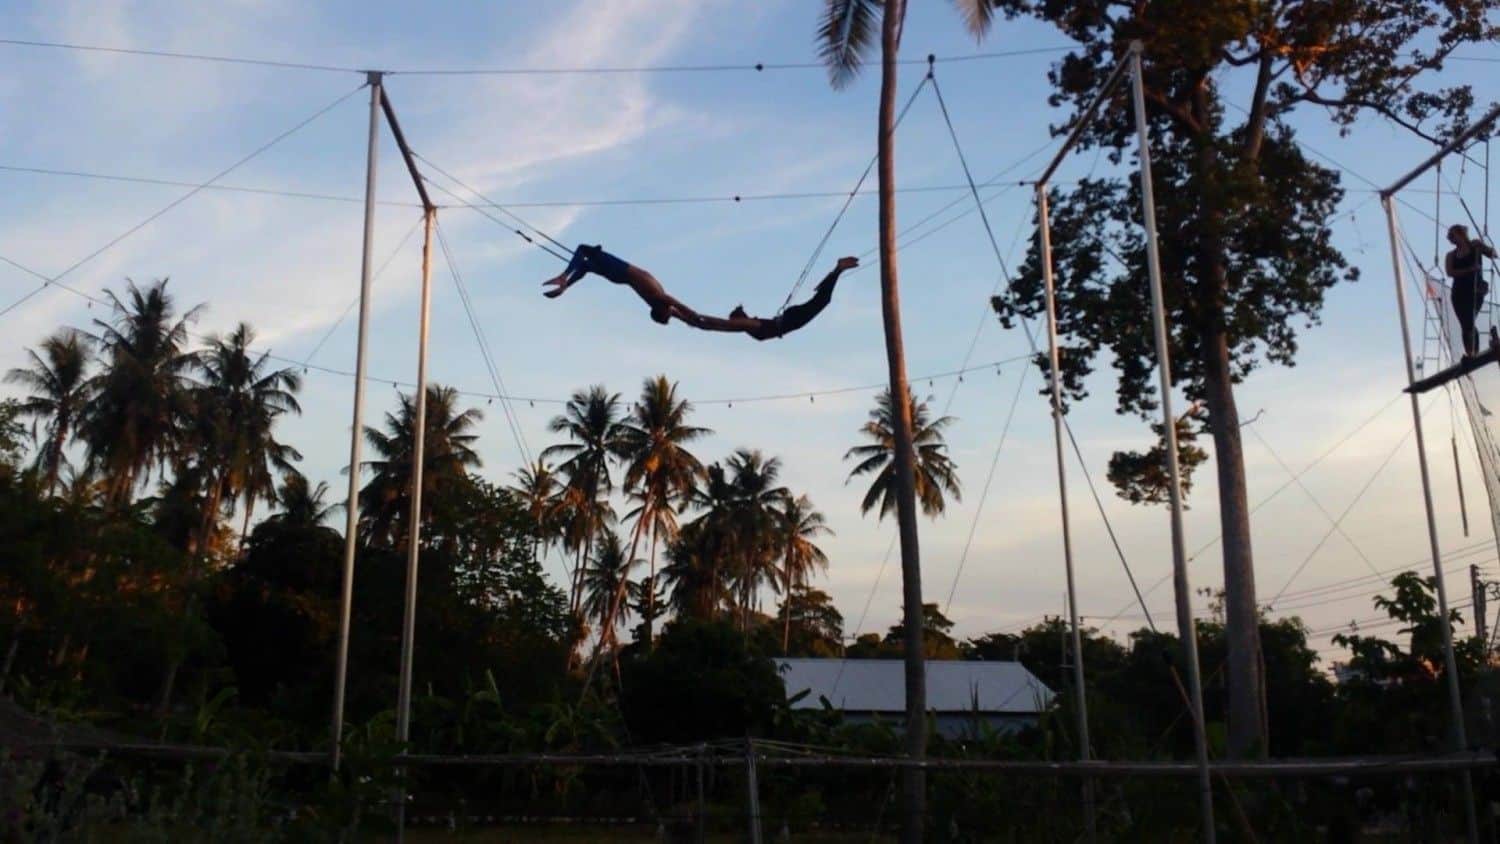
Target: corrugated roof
879, 685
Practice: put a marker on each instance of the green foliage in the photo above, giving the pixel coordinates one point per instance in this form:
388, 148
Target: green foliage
935, 473
703, 681
1142, 477
936, 641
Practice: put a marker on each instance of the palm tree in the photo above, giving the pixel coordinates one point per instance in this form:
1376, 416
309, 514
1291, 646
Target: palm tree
847, 36
660, 472
137, 403
936, 475
691, 576
447, 457
242, 399
58, 381
301, 505
757, 500
798, 524
605, 578
537, 489
591, 421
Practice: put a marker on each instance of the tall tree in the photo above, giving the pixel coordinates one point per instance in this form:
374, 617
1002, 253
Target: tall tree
755, 516
241, 399
798, 524
58, 381
846, 36
660, 471
140, 398
537, 488
936, 475
605, 578
447, 457
1244, 215
691, 577
301, 505
591, 421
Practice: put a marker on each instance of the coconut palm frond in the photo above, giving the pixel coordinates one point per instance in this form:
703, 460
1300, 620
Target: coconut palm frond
977, 15
848, 31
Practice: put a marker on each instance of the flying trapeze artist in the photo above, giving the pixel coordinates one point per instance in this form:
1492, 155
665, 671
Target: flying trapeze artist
1464, 265
664, 307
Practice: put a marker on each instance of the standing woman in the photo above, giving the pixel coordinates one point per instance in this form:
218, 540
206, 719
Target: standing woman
1465, 266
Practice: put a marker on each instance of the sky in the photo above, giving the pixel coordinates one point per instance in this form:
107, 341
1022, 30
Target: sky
563, 149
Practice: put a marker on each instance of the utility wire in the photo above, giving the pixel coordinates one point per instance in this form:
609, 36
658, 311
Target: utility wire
56, 279
1288, 484
754, 67
1334, 523
625, 201
1379, 470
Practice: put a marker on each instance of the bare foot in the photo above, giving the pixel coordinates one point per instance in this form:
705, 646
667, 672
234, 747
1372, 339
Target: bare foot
558, 285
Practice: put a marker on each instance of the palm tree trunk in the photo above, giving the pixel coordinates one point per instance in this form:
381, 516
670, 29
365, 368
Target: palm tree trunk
651, 594
245, 526
54, 463
913, 780
786, 605
10, 653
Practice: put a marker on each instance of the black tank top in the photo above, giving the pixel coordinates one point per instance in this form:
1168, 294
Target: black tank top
1466, 266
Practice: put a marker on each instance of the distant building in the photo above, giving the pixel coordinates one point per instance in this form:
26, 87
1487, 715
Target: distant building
960, 693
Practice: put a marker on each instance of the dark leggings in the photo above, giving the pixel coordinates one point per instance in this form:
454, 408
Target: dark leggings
802, 313
1468, 297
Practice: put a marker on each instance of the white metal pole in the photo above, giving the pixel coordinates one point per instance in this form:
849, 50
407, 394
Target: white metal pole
356, 432
1450, 665
414, 525
1084, 752
1186, 628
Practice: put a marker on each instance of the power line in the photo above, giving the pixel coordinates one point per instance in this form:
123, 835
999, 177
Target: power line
693, 199
754, 67
1340, 443
173, 204
178, 183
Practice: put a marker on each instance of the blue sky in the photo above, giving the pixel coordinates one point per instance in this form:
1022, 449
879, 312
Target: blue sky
290, 266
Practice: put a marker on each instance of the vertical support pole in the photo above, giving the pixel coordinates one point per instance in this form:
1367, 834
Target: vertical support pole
1458, 475
414, 522
700, 819
1476, 587
356, 432
1186, 628
1450, 665
752, 790
1081, 702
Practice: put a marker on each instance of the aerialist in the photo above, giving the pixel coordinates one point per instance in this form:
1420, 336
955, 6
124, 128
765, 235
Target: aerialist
1464, 265
593, 259
788, 320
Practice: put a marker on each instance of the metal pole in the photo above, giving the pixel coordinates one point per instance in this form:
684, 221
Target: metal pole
1457, 143
414, 523
699, 815
1084, 753
752, 788
1186, 627
356, 432
1476, 588
1450, 665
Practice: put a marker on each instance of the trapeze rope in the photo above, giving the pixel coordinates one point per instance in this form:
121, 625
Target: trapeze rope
848, 201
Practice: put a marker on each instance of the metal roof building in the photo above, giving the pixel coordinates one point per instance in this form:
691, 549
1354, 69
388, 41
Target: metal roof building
960, 693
